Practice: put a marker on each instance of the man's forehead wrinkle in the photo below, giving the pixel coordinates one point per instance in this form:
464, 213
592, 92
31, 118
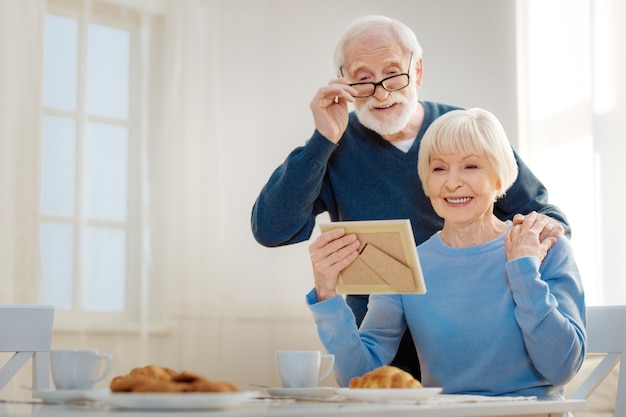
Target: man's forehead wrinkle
364, 58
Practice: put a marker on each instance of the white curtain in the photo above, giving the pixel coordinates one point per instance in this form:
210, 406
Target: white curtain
20, 86
573, 101
186, 159
609, 129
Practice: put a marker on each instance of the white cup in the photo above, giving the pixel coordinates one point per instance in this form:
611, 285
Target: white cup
301, 368
78, 368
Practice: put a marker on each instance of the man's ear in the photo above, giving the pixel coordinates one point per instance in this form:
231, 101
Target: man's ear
418, 72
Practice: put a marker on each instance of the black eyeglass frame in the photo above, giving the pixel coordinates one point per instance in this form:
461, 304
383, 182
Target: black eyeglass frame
384, 80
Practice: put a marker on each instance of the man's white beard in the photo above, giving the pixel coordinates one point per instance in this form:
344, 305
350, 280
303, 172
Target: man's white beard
389, 124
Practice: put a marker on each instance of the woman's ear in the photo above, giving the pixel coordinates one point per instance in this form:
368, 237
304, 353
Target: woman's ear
497, 190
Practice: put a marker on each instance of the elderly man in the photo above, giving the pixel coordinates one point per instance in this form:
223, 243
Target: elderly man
362, 165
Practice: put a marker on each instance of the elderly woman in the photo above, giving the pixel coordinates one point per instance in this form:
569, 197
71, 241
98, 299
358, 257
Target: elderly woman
503, 313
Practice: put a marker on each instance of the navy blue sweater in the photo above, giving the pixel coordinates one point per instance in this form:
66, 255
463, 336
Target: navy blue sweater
364, 177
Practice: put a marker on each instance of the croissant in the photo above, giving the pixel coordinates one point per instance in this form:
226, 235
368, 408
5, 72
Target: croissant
385, 377
153, 378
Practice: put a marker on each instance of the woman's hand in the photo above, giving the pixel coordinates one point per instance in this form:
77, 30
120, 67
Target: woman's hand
525, 238
330, 253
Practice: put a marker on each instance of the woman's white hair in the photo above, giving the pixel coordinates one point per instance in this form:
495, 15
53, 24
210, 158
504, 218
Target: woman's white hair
406, 37
469, 131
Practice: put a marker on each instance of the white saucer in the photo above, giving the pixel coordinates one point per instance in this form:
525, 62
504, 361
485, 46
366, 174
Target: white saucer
51, 395
313, 392
387, 394
176, 400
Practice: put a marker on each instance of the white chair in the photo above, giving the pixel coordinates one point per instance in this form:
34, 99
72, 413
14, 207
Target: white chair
606, 333
27, 331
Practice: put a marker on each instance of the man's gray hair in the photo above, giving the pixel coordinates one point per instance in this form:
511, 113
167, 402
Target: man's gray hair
406, 37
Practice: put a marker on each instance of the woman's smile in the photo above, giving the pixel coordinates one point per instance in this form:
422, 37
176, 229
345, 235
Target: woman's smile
458, 200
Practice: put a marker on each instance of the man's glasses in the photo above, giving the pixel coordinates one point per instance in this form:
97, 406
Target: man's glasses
391, 84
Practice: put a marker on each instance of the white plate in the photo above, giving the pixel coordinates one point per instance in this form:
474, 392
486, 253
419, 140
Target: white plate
387, 394
315, 392
176, 401
68, 395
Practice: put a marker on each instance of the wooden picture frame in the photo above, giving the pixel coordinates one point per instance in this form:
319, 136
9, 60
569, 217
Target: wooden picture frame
388, 262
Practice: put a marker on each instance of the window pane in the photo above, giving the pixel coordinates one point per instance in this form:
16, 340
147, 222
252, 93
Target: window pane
108, 63
558, 45
60, 62
106, 178
105, 269
560, 124
57, 262
58, 166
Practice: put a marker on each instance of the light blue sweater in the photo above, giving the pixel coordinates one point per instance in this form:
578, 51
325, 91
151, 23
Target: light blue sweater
485, 326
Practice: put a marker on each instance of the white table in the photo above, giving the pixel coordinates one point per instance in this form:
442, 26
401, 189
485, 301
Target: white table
316, 409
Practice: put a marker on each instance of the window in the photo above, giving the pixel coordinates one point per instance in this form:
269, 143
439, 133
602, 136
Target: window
569, 138
88, 214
